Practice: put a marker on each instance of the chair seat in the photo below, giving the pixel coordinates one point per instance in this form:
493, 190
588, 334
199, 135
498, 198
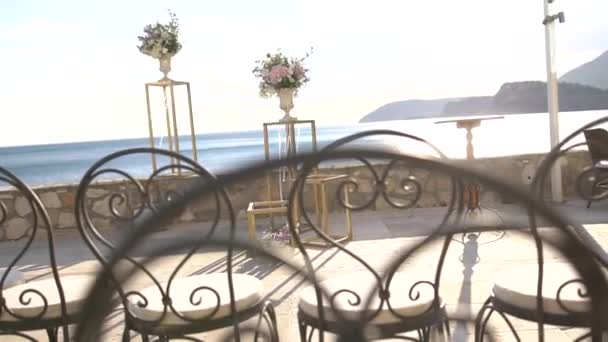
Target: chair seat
602, 164
361, 283
14, 277
75, 289
518, 287
247, 290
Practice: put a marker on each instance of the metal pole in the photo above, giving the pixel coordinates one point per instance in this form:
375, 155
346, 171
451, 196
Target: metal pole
150, 127
552, 101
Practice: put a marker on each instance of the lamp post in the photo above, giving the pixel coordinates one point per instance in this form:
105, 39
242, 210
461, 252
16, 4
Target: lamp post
553, 96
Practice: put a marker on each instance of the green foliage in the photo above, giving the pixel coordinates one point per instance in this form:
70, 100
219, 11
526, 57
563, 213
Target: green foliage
161, 40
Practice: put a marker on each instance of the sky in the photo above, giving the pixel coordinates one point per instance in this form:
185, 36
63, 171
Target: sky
71, 70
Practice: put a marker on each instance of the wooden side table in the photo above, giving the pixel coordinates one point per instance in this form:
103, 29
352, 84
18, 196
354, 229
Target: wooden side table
471, 193
319, 184
472, 189
263, 208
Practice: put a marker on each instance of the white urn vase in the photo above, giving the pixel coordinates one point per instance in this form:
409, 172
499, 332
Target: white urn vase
286, 103
165, 65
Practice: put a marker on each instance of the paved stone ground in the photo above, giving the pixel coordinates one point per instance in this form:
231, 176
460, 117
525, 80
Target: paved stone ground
379, 235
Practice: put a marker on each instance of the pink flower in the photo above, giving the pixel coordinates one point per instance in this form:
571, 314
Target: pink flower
298, 70
277, 73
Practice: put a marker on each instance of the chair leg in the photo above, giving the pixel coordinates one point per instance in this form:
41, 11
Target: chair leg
269, 316
480, 322
126, 337
52, 334
589, 204
439, 333
302, 329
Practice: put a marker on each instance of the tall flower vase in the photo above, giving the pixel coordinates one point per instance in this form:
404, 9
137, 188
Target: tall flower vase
286, 103
165, 65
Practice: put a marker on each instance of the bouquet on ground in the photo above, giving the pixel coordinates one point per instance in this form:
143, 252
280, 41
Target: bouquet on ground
277, 71
161, 40
279, 235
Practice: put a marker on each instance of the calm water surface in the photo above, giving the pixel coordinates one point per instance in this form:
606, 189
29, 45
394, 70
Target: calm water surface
515, 134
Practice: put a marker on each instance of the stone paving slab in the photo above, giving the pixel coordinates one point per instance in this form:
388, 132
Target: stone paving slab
379, 237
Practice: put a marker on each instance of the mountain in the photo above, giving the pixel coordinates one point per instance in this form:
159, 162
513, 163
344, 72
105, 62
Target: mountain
594, 73
531, 97
411, 109
582, 88
470, 105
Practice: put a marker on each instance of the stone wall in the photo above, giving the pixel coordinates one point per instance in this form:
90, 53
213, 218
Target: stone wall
101, 197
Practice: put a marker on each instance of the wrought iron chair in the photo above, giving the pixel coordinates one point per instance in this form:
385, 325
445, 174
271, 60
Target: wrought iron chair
177, 304
401, 301
48, 303
553, 294
349, 325
595, 176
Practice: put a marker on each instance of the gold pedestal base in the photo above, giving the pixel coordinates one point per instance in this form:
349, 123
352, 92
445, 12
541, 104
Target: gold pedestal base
318, 182
318, 242
263, 208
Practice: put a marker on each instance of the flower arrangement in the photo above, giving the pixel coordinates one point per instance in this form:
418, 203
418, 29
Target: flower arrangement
277, 71
161, 40
280, 234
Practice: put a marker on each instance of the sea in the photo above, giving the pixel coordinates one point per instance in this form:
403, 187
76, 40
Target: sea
222, 151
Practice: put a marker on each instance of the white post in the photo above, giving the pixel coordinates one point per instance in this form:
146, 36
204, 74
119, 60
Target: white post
553, 103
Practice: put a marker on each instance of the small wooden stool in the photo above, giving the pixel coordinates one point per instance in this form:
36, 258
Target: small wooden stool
263, 208
319, 183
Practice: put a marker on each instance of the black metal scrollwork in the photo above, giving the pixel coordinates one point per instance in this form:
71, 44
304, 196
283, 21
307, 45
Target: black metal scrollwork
198, 301
356, 300
32, 311
581, 292
416, 295
570, 246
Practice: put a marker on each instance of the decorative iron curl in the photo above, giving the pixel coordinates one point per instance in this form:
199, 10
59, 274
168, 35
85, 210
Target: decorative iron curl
116, 200
197, 301
150, 181
350, 185
353, 186
409, 185
355, 302
405, 186
25, 298
200, 300
415, 296
142, 303
580, 179
582, 292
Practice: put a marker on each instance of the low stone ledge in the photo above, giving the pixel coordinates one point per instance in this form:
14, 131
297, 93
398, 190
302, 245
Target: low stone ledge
436, 192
